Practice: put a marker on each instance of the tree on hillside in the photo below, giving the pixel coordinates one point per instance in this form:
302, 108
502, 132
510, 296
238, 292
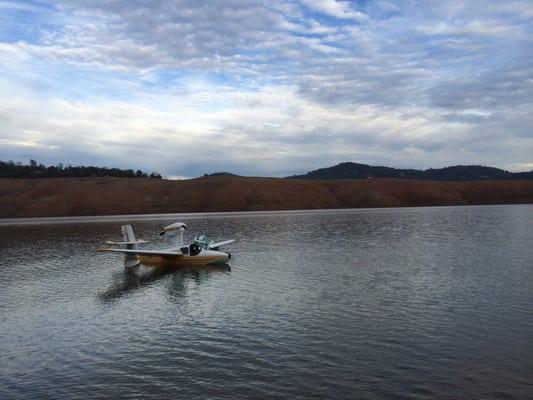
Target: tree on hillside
11, 169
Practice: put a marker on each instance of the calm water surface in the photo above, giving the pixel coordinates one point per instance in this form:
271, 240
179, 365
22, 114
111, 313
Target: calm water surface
416, 303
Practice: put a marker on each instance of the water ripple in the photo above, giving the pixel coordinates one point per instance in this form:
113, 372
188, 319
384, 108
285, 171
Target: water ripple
402, 303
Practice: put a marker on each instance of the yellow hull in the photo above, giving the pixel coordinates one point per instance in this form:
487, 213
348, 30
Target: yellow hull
178, 261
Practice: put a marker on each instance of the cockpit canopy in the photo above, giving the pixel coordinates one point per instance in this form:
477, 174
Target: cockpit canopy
203, 241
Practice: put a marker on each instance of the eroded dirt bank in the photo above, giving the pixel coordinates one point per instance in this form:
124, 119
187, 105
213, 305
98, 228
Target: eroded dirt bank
103, 196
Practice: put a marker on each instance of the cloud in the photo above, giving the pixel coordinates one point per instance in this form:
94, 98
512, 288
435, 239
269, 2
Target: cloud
267, 88
17, 6
334, 8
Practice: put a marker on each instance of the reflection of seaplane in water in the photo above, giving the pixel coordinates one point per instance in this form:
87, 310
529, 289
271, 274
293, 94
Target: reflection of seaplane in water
202, 250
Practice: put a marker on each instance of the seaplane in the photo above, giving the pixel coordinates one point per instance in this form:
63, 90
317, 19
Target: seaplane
202, 250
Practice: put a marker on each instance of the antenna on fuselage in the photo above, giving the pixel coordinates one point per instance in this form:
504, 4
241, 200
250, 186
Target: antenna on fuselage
178, 228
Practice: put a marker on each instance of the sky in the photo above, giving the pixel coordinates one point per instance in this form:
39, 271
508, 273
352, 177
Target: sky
266, 88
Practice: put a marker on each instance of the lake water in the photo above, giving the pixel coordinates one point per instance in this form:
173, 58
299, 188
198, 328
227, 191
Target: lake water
417, 303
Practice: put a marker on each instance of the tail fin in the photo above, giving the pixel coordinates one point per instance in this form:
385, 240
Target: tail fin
129, 237
130, 260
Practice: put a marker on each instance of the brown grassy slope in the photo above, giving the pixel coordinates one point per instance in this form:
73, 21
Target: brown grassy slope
101, 196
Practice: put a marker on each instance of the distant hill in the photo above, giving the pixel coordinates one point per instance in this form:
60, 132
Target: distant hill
223, 173
350, 170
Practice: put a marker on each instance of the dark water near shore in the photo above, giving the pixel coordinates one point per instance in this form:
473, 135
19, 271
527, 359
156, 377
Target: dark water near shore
416, 303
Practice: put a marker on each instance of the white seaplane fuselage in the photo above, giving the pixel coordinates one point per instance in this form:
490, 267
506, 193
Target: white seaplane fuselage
202, 251
205, 257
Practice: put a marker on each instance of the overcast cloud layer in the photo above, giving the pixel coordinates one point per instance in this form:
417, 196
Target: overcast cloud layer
266, 87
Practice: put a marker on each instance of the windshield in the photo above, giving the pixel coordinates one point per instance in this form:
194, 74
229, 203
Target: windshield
203, 241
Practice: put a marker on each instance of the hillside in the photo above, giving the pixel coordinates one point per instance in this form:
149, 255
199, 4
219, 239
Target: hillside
106, 196
349, 170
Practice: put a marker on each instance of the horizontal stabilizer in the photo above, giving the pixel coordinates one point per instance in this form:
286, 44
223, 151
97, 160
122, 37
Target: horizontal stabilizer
139, 241
142, 252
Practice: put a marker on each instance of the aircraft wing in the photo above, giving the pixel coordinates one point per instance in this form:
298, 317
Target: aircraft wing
219, 244
143, 252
